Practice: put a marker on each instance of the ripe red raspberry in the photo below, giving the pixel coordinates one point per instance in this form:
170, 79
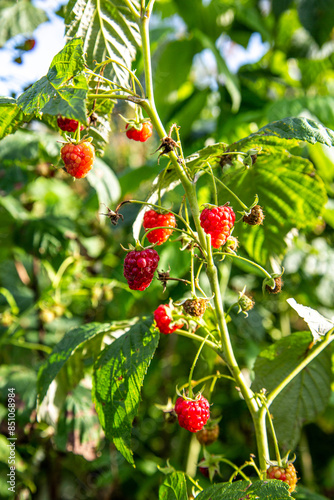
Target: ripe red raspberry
218, 221
139, 268
156, 219
286, 474
78, 158
192, 414
67, 124
208, 435
142, 134
163, 319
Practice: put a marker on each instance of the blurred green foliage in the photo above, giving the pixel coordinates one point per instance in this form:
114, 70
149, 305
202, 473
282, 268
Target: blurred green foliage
61, 261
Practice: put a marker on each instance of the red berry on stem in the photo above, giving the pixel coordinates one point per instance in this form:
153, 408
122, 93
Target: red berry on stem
78, 158
192, 414
156, 219
286, 474
163, 319
139, 268
141, 134
218, 221
67, 124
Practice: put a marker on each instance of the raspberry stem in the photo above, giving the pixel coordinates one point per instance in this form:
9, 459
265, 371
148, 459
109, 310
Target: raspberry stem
194, 364
232, 193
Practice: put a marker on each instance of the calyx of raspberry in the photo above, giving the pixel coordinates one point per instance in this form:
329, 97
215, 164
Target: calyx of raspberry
209, 465
274, 284
245, 302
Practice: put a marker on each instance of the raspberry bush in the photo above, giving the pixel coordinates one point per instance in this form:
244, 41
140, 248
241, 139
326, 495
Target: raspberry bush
132, 321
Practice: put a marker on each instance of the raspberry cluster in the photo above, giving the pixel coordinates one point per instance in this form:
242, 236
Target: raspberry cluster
163, 319
139, 268
141, 134
286, 474
218, 221
192, 414
156, 219
78, 158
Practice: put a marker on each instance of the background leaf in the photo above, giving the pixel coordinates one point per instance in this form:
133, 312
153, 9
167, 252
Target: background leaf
109, 32
105, 182
307, 394
118, 377
63, 90
78, 429
19, 17
63, 350
174, 487
240, 490
11, 116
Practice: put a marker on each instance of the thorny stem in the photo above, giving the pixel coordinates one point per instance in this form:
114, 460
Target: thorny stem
190, 191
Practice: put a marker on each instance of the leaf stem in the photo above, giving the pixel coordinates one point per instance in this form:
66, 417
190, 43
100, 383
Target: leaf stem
232, 193
193, 336
234, 256
313, 354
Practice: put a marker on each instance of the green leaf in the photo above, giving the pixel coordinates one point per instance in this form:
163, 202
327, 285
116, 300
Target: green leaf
302, 129
78, 429
63, 90
18, 18
242, 490
174, 487
11, 116
320, 106
173, 67
110, 32
105, 182
317, 17
63, 350
118, 377
291, 195
231, 81
306, 396
303, 493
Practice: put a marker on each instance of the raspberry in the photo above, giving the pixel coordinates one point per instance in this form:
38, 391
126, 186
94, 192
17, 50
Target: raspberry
142, 134
156, 219
203, 470
245, 302
208, 435
78, 158
139, 268
163, 319
255, 217
195, 307
278, 286
286, 474
192, 414
218, 221
67, 124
